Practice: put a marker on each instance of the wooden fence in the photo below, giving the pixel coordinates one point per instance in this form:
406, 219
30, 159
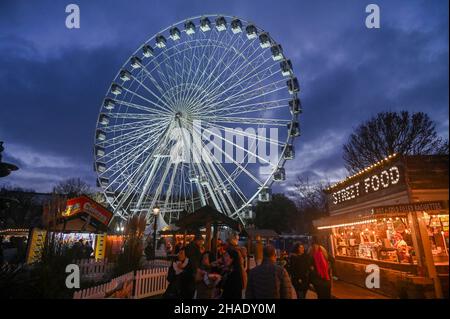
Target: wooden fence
157, 263
100, 292
94, 270
147, 283
150, 282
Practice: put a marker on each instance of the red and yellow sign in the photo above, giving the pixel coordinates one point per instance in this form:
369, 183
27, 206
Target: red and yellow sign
86, 205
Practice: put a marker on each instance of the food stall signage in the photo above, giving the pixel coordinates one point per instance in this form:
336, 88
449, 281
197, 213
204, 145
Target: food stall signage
370, 184
413, 207
84, 204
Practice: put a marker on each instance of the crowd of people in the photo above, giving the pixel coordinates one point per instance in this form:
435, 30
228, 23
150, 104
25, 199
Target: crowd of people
198, 274
81, 249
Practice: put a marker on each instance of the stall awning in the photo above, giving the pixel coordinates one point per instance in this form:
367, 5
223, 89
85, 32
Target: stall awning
342, 220
378, 212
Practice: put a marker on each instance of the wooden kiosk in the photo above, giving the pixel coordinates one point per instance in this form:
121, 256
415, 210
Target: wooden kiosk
393, 214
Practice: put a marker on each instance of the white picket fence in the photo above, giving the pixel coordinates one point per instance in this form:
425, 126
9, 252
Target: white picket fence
157, 263
99, 292
147, 283
150, 282
94, 270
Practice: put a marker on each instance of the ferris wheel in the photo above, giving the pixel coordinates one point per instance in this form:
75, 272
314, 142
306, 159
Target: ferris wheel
203, 113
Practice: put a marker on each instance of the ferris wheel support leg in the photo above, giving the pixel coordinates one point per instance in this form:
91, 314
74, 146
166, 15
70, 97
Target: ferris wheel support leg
147, 183
201, 193
214, 198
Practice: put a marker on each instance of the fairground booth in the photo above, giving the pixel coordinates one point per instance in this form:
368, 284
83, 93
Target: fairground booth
393, 214
82, 219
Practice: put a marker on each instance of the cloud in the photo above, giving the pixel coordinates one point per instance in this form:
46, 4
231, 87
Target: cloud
52, 79
41, 170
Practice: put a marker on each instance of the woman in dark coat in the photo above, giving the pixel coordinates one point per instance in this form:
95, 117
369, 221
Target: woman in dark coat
181, 278
232, 281
299, 265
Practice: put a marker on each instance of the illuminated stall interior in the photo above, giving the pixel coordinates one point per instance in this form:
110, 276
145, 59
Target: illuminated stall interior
394, 212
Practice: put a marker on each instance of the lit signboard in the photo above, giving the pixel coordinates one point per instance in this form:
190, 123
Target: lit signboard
379, 181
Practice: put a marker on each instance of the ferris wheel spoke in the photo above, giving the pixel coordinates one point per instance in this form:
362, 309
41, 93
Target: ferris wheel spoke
197, 70
133, 144
262, 159
210, 179
123, 137
238, 108
158, 68
250, 121
129, 135
144, 98
213, 177
246, 133
209, 84
167, 106
253, 93
225, 69
147, 75
256, 180
246, 97
201, 78
141, 107
133, 116
160, 186
122, 164
171, 185
126, 149
134, 180
128, 126
227, 179
201, 171
248, 77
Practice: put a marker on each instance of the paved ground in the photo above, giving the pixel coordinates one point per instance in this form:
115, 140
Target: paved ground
343, 290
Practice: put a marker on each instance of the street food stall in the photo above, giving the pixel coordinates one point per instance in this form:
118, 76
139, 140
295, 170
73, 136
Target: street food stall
393, 214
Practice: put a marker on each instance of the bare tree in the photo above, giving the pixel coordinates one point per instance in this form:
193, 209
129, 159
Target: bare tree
72, 187
308, 194
311, 202
392, 132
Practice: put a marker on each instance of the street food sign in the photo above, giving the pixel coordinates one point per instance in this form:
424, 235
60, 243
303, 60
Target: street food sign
412, 207
86, 205
375, 182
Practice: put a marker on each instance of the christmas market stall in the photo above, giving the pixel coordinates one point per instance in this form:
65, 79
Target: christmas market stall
79, 219
394, 215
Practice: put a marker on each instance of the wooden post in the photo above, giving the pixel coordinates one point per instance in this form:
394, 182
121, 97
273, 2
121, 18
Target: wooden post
249, 245
259, 250
421, 241
214, 241
426, 254
208, 237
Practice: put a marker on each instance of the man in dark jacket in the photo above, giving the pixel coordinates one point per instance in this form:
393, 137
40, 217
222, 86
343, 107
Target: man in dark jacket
193, 251
268, 280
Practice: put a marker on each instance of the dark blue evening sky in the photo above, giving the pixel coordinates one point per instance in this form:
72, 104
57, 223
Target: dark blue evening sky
52, 79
